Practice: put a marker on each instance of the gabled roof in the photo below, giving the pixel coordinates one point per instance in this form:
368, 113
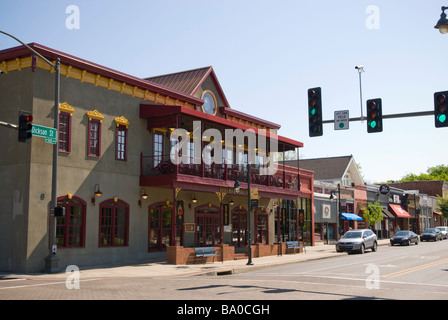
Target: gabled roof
189, 81
327, 169
186, 81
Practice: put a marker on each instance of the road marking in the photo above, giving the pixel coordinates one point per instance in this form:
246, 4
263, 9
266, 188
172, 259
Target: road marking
413, 269
43, 284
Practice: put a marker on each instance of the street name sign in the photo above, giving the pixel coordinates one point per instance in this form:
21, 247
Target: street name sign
45, 132
341, 119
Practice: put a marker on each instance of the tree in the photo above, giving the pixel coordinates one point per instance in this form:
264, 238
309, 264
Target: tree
373, 213
443, 206
439, 172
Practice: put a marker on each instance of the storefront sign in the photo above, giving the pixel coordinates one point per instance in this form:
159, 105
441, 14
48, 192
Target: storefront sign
384, 189
326, 211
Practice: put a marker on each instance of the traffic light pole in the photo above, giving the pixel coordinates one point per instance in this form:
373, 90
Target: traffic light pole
51, 261
391, 116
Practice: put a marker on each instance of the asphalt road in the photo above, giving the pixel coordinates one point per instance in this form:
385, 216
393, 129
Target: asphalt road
415, 272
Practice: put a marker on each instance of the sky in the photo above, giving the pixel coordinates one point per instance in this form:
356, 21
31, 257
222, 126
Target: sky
267, 54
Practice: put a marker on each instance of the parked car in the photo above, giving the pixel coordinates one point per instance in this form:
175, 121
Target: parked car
443, 231
431, 234
357, 240
404, 237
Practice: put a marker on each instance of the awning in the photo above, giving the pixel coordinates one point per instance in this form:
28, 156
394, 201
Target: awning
387, 214
439, 213
350, 216
399, 212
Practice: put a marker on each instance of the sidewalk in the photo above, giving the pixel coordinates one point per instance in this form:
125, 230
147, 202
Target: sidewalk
163, 269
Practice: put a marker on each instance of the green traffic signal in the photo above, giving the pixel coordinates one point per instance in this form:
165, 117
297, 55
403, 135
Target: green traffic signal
374, 115
441, 109
315, 112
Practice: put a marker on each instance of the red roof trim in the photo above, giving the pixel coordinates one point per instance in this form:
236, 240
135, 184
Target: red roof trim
156, 110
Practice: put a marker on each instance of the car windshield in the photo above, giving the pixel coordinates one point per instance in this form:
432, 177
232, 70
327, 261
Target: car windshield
441, 228
351, 235
402, 233
430, 230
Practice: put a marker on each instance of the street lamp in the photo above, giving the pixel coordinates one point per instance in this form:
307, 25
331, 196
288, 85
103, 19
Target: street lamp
237, 188
51, 261
442, 24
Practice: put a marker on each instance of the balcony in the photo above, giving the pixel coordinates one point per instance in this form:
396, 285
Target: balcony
160, 171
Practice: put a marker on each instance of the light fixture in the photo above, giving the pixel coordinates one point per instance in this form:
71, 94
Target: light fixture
231, 202
144, 195
237, 186
194, 200
442, 24
97, 191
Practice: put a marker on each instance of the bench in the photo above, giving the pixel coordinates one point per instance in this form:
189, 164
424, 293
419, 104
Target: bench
294, 245
206, 252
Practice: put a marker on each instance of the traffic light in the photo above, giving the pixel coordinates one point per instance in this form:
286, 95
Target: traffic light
374, 116
25, 126
441, 109
315, 112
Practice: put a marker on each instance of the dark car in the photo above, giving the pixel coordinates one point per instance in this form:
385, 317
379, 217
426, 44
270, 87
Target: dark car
357, 240
404, 238
431, 234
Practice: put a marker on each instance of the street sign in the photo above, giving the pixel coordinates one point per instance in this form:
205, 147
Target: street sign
49, 134
341, 119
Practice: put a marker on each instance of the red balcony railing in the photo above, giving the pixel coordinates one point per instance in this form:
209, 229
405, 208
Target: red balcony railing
285, 177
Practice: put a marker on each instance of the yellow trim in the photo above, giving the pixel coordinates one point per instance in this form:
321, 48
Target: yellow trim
95, 79
122, 121
95, 115
65, 107
214, 100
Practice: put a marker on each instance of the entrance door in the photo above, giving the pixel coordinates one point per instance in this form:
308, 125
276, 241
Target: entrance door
159, 226
208, 226
239, 227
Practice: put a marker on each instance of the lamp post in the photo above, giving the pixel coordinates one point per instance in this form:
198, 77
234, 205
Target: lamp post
51, 261
237, 190
442, 24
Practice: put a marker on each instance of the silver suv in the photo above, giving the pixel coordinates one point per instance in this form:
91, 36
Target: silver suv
357, 240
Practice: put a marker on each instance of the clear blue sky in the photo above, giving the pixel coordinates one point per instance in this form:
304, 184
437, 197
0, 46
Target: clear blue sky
266, 55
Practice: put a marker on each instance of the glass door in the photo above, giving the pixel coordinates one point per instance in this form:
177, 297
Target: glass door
239, 227
159, 227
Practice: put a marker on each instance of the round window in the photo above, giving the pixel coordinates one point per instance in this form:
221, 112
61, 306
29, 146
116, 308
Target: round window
209, 105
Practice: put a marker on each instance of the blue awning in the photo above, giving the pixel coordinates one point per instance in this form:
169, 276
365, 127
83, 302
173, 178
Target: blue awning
350, 216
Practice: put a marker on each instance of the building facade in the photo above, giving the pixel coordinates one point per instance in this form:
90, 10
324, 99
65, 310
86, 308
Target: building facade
125, 200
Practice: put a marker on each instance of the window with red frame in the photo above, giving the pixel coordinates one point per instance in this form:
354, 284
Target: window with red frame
94, 143
114, 223
65, 124
121, 143
70, 229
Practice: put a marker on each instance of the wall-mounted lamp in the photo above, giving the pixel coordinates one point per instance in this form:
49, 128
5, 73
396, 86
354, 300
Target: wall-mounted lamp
143, 195
194, 200
231, 202
97, 192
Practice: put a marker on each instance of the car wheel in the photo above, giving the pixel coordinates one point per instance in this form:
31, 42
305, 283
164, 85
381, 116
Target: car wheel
375, 246
362, 250
416, 242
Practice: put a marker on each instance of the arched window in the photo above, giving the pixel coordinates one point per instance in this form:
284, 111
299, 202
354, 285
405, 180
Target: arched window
70, 229
114, 223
